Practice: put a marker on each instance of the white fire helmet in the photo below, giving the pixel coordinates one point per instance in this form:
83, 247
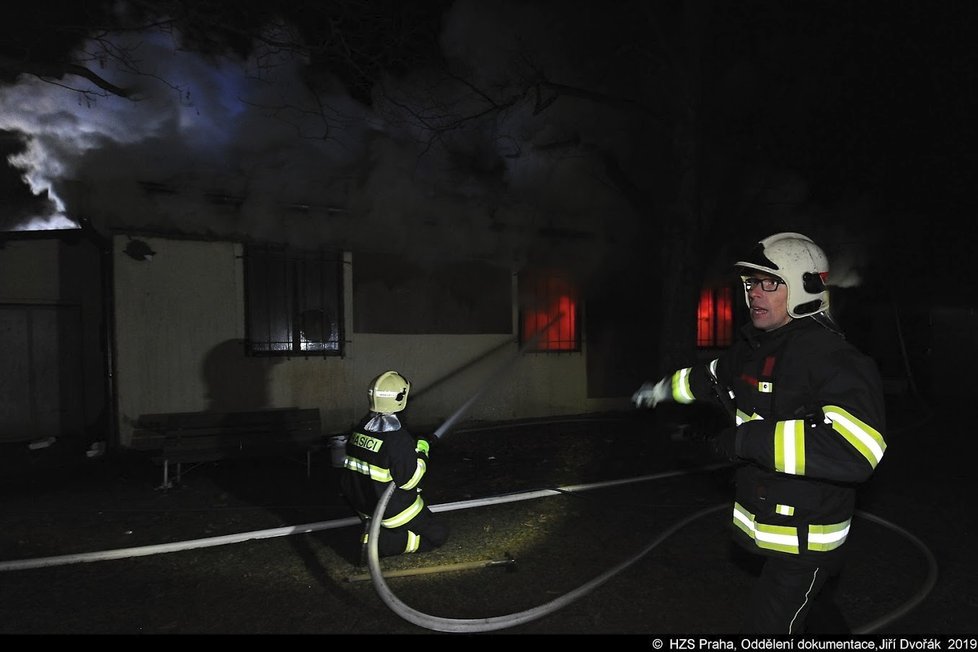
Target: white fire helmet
388, 392
800, 263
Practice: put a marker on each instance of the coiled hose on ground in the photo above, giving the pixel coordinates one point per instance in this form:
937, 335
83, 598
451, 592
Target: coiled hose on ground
458, 625
437, 623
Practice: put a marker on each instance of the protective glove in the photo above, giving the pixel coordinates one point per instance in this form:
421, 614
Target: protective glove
649, 395
423, 446
725, 444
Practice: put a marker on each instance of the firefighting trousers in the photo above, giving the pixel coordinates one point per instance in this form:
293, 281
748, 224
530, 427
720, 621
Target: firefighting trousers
424, 532
792, 596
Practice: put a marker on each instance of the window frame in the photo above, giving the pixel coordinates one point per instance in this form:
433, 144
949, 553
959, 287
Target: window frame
544, 286
715, 317
291, 305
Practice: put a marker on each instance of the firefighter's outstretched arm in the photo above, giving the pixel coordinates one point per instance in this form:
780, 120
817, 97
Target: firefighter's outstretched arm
650, 395
684, 386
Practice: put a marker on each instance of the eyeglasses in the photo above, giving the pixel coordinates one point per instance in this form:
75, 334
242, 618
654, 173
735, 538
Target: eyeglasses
767, 284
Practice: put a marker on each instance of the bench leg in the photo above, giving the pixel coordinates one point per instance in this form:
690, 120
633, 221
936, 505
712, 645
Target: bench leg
166, 475
308, 464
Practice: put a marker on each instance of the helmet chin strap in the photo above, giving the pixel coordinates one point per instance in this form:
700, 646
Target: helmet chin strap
825, 319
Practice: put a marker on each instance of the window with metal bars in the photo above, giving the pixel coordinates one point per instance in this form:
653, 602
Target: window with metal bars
549, 311
714, 318
293, 301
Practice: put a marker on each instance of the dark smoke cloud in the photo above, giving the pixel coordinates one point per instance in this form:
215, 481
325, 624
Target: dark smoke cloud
438, 166
241, 148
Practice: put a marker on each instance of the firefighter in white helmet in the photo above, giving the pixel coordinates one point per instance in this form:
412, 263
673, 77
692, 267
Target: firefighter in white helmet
380, 450
809, 414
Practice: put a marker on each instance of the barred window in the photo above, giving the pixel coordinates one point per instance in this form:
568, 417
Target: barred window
293, 301
549, 311
714, 318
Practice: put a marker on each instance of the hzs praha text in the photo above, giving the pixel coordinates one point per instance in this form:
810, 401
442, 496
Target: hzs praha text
885, 644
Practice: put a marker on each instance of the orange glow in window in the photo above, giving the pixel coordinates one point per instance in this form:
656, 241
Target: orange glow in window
724, 330
704, 319
714, 318
558, 323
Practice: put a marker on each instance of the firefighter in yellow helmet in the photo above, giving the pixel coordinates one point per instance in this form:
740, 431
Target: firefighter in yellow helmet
808, 410
380, 450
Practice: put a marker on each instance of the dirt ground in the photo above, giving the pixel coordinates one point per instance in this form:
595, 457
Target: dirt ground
634, 505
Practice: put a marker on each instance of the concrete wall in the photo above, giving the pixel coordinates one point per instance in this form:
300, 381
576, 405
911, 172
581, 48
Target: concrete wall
170, 312
184, 309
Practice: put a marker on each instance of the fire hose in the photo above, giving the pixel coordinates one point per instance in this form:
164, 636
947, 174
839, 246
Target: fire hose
452, 624
461, 625
441, 624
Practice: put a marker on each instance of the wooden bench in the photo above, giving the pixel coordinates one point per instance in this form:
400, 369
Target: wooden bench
198, 437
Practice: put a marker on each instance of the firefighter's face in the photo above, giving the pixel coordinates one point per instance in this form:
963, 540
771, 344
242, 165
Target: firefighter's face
768, 309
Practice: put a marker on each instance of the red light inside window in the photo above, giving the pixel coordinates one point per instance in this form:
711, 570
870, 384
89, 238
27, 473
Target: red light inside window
550, 320
714, 318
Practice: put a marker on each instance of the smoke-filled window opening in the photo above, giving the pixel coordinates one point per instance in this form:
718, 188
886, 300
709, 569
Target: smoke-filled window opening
549, 311
292, 301
714, 318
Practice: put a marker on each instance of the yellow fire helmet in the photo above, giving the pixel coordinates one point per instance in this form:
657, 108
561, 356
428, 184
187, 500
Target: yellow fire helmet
388, 392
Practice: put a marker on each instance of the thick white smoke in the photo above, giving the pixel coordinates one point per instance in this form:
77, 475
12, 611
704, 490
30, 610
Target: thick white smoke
196, 127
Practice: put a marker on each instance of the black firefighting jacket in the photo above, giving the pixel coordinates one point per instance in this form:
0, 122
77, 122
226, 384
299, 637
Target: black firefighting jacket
374, 460
810, 423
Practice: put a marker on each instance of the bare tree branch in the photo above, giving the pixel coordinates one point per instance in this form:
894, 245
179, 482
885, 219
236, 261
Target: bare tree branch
49, 72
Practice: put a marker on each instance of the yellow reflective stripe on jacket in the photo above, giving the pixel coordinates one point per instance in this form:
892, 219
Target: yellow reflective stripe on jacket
681, 393
405, 516
743, 417
828, 537
712, 368
375, 472
789, 446
784, 538
418, 474
865, 439
770, 537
